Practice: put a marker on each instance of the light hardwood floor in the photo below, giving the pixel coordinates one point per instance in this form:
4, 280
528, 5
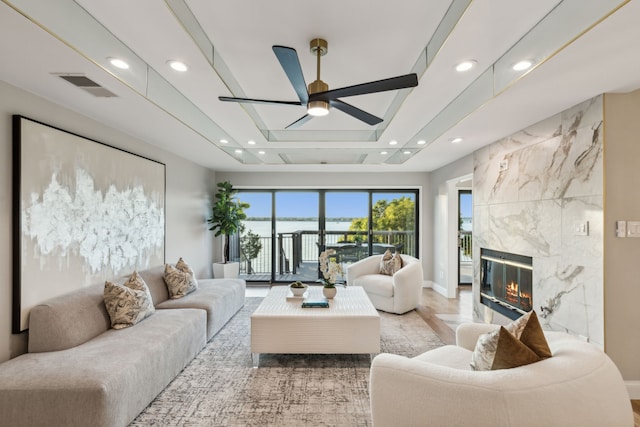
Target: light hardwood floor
435, 308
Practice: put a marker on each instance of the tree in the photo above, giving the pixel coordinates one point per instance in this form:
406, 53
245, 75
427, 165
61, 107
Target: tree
398, 215
395, 215
227, 214
250, 247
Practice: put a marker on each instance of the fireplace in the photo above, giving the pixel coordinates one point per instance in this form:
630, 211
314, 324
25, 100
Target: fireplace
506, 282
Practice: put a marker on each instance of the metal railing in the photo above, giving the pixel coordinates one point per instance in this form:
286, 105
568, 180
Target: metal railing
465, 244
303, 246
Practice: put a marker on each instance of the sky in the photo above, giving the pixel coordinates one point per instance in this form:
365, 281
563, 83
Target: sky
304, 204
466, 205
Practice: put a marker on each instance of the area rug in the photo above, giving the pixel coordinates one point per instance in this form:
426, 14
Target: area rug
220, 387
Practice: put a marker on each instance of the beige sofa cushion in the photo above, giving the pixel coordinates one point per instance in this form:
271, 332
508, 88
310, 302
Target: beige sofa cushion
107, 380
68, 320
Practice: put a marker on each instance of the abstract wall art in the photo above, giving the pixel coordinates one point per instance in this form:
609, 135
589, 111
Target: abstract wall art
83, 212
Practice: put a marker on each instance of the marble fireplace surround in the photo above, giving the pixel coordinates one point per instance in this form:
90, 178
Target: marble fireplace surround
532, 191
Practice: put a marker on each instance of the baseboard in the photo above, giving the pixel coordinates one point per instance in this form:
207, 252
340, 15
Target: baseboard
439, 289
427, 284
633, 388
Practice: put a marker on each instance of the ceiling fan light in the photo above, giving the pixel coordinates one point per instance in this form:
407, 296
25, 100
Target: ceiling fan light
318, 108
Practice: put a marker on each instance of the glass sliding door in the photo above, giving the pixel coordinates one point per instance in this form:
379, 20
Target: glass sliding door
297, 235
465, 231
393, 222
285, 230
347, 225
255, 241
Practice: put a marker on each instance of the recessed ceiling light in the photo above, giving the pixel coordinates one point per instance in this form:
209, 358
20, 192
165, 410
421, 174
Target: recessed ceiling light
465, 66
261, 152
224, 141
422, 142
522, 65
251, 142
456, 140
238, 151
394, 142
407, 152
177, 65
118, 63
383, 152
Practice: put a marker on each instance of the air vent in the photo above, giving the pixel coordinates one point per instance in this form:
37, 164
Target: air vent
86, 84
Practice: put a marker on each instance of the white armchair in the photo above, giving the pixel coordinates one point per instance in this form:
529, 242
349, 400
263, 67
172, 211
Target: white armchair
395, 294
578, 386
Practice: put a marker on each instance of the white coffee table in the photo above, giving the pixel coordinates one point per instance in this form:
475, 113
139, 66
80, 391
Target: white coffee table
351, 324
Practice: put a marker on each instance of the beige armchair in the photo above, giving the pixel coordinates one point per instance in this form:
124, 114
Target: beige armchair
578, 386
395, 294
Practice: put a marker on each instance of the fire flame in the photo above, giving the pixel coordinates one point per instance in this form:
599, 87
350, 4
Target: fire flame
514, 296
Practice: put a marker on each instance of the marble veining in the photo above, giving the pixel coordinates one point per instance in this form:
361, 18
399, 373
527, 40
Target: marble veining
552, 183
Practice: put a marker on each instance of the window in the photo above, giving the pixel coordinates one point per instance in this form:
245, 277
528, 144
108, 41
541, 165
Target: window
286, 230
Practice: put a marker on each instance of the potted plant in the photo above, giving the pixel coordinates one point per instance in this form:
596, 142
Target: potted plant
227, 213
250, 247
298, 288
330, 271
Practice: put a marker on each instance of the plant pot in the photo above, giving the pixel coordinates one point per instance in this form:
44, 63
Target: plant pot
230, 270
298, 292
329, 293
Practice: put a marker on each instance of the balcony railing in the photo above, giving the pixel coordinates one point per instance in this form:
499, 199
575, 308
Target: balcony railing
465, 245
295, 248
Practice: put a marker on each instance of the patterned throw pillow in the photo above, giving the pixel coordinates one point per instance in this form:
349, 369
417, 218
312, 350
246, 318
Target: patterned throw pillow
128, 304
519, 343
136, 282
390, 263
184, 267
179, 282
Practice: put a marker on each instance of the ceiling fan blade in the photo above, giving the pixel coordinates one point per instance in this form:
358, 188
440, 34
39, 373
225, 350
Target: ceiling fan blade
393, 83
302, 120
290, 63
369, 119
257, 101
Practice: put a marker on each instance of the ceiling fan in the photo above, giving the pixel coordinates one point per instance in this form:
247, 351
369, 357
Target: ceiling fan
318, 98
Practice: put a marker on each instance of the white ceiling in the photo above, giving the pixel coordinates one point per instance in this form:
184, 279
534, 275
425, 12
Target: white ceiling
368, 40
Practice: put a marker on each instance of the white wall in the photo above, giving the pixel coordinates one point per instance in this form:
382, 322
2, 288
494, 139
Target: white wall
444, 206
189, 188
622, 255
413, 180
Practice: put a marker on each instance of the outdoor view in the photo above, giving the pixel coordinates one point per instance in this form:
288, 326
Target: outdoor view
302, 230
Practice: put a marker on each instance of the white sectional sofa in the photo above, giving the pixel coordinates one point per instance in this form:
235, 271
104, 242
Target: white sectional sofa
578, 386
80, 372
